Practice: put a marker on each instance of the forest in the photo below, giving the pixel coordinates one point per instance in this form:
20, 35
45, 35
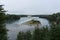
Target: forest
44, 33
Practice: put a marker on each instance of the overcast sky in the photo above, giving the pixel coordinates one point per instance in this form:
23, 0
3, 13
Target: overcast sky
31, 6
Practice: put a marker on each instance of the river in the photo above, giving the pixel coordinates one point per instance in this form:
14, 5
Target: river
15, 27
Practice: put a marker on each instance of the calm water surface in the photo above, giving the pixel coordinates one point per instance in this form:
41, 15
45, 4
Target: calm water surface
16, 27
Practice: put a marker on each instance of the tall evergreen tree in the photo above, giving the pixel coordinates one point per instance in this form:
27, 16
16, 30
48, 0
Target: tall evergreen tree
3, 33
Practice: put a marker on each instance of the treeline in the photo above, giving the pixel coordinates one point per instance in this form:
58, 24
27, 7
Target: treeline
23, 15
12, 18
3, 30
55, 18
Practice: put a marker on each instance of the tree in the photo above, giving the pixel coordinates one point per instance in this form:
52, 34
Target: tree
45, 33
24, 36
20, 36
3, 32
37, 34
55, 32
27, 35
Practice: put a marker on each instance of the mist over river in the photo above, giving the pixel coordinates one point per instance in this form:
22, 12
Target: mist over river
17, 26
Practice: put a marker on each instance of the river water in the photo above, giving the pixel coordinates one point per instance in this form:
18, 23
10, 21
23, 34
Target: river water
15, 27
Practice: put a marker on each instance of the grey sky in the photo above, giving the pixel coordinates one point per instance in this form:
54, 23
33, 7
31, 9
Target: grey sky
31, 6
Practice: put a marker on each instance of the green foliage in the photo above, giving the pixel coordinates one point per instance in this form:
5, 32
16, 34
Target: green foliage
34, 22
37, 34
55, 18
3, 32
55, 32
20, 36
41, 34
24, 36
12, 18
27, 35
